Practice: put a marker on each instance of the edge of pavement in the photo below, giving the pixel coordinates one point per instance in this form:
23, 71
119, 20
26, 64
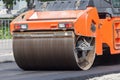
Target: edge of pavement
6, 57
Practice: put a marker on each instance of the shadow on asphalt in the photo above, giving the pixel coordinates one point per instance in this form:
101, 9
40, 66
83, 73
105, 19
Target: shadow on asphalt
107, 60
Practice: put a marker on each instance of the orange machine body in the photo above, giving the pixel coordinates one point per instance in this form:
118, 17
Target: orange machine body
106, 31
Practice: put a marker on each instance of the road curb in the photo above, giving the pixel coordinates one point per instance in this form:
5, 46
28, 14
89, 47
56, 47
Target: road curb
6, 57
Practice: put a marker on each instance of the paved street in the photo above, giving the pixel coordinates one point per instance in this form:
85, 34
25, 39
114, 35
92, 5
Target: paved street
10, 71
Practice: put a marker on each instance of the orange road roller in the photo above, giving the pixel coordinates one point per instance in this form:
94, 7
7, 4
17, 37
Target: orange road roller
66, 34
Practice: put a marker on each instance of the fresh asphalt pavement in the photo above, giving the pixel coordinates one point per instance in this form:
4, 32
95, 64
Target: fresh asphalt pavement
10, 71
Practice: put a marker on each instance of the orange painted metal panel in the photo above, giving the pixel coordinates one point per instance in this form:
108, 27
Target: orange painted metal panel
106, 30
109, 34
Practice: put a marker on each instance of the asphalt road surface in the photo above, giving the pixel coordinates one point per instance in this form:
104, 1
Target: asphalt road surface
10, 71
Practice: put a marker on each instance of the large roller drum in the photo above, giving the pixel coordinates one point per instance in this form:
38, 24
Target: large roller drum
50, 50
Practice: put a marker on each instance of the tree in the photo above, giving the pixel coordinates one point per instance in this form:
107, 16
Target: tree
30, 3
47, 0
9, 3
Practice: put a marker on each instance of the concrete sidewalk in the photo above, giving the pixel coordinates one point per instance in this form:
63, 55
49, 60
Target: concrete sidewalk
6, 57
6, 53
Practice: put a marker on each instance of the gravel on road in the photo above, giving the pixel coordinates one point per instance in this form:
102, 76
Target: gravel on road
114, 76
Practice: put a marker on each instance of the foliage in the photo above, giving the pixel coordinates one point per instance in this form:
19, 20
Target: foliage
5, 29
5, 32
9, 3
46, 0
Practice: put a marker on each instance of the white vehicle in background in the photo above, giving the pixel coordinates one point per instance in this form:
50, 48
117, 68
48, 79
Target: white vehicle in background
3, 11
5, 14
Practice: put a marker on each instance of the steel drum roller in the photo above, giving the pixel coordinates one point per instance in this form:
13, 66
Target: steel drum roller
44, 50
